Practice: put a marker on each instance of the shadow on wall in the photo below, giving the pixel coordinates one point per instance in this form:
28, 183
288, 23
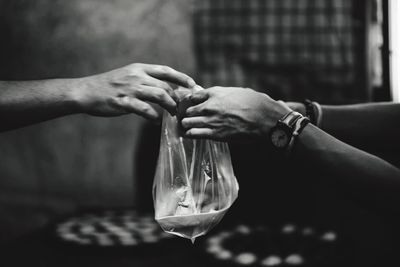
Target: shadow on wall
58, 166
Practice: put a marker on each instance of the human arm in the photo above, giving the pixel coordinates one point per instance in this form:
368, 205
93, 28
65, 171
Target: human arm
125, 90
370, 180
234, 113
368, 125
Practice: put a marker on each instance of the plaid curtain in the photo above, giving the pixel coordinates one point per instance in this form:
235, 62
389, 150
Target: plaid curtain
290, 49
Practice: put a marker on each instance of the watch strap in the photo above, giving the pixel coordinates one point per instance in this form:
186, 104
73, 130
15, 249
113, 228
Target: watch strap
291, 118
300, 124
287, 123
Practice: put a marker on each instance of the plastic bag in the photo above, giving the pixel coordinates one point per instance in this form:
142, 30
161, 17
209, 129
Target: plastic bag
194, 184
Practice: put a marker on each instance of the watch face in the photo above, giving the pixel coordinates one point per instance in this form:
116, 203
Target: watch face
279, 138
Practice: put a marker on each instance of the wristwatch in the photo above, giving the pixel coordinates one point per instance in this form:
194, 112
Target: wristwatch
283, 134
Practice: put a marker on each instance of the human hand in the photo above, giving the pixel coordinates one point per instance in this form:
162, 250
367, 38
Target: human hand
298, 107
232, 113
131, 89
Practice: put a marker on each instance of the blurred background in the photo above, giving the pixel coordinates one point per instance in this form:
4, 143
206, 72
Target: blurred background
331, 51
58, 166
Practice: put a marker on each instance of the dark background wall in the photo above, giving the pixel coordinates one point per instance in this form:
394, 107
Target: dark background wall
78, 161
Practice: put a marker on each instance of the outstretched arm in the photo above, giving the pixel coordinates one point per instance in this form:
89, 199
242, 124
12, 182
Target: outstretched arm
237, 113
362, 176
364, 125
130, 89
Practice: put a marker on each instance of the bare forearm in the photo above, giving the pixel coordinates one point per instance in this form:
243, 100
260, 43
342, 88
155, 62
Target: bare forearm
363, 176
130, 89
27, 102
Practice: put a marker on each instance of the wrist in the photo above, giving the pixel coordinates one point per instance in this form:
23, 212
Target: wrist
284, 134
63, 93
298, 107
273, 112
78, 93
281, 109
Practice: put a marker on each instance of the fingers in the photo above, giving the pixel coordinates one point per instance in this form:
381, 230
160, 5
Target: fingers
198, 110
198, 133
139, 107
158, 96
153, 82
195, 122
169, 74
199, 96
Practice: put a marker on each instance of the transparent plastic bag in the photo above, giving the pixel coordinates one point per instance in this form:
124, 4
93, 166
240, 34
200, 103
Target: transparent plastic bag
194, 184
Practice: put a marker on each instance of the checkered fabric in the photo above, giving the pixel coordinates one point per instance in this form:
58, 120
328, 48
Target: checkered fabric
110, 228
287, 48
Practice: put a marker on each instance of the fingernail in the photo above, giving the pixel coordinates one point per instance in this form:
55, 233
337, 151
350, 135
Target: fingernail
183, 123
191, 83
198, 87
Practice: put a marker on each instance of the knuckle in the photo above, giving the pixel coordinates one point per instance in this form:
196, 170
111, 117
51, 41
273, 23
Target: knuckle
163, 85
120, 102
208, 109
163, 69
136, 77
132, 74
116, 102
135, 67
145, 109
165, 98
166, 69
158, 68
159, 93
138, 90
